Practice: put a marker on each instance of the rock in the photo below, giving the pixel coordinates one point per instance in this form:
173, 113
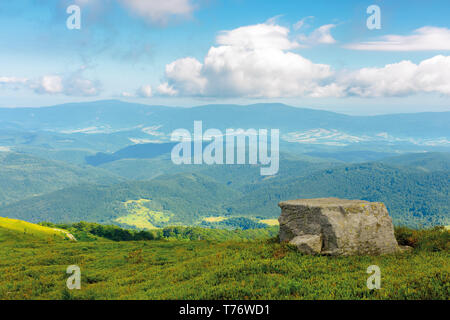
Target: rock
311, 244
406, 248
334, 226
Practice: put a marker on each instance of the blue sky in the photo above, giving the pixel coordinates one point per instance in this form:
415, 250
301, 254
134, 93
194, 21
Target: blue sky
317, 54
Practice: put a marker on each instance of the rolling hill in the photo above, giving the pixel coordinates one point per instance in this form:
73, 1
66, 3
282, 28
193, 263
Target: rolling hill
412, 196
110, 125
112, 116
18, 229
183, 198
426, 161
23, 176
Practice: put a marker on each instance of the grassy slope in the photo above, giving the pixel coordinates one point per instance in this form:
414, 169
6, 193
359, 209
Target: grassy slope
260, 269
11, 226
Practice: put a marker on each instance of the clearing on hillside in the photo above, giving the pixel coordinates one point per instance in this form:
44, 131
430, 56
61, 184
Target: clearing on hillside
34, 230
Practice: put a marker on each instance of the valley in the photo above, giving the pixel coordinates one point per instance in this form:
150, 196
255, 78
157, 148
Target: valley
53, 170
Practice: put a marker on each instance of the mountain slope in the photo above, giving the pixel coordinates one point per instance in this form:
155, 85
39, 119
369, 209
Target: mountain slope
411, 196
426, 161
23, 176
184, 198
18, 229
113, 116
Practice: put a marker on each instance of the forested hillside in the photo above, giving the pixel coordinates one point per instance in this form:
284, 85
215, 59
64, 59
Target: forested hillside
413, 197
23, 176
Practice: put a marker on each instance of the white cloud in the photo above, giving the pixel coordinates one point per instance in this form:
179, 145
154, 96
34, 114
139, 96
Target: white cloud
50, 84
70, 85
301, 23
127, 94
77, 85
258, 62
12, 80
400, 79
186, 75
321, 35
260, 36
166, 89
145, 91
159, 11
251, 61
422, 39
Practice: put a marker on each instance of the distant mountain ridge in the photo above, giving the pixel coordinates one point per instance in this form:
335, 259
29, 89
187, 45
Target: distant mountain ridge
112, 115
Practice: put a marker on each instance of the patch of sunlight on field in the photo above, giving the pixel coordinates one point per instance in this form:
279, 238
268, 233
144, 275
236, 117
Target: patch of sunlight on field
214, 219
447, 228
31, 228
270, 222
141, 216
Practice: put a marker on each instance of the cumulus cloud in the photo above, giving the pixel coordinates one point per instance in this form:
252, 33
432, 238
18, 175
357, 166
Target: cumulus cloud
167, 90
145, 91
252, 61
77, 85
260, 36
422, 39
157, 11
74, 84
400, 79
50, 84
259, 62
187, 76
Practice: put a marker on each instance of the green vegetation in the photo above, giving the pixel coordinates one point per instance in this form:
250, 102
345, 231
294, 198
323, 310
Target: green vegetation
413, 197
258, 269
142, 217
426, 161
31, 229
436, 239
190, 197
86, 231
23, 176
242, 223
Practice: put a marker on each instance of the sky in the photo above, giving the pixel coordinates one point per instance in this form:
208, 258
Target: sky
343, 56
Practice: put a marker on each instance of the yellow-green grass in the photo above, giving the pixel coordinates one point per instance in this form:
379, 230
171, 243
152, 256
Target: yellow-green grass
225, 270
32, 229
213, 270
270, 222
214, 219
141, 217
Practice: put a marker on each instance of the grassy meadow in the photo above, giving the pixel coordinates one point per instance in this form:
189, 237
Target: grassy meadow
35, 268
34, 230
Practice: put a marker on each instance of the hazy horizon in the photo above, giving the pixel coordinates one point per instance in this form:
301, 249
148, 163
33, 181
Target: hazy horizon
320, 55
